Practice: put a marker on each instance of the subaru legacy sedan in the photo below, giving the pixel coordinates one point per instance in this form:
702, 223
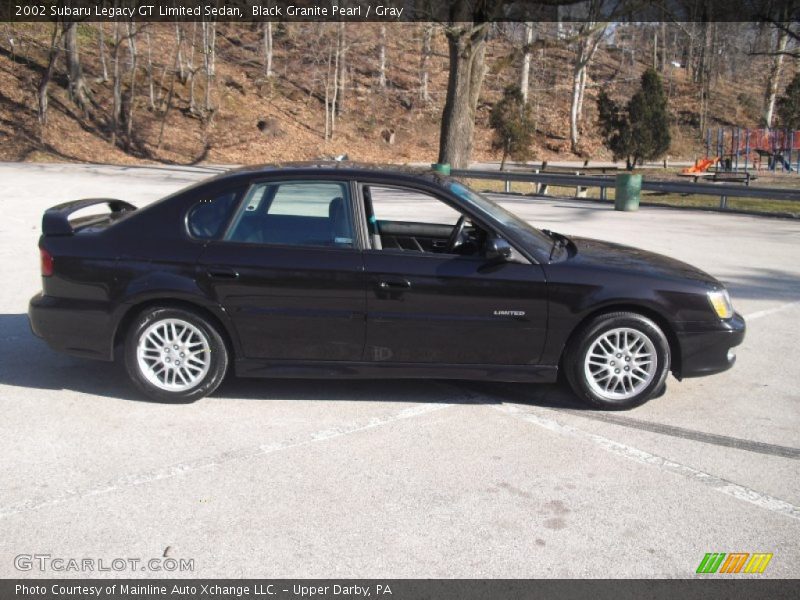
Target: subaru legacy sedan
358, 271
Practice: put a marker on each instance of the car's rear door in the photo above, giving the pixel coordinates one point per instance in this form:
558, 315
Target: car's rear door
289, 272
432, 307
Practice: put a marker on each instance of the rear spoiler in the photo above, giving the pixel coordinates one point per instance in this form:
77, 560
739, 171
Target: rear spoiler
56, 219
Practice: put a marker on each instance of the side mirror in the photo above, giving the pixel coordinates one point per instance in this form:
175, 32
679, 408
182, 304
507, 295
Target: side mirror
498, 249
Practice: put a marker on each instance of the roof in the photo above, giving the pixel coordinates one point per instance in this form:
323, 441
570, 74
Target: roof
341, 167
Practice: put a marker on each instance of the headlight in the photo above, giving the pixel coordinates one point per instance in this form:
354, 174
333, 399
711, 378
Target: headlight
721, 303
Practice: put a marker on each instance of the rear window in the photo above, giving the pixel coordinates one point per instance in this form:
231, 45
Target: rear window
207, 219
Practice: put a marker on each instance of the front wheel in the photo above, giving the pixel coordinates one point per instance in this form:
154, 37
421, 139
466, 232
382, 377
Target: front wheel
175, 355
618, 360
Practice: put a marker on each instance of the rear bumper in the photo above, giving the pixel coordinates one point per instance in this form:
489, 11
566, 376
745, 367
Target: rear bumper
707, 350
77, 327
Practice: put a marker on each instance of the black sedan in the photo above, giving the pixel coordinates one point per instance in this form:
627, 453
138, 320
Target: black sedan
345, 270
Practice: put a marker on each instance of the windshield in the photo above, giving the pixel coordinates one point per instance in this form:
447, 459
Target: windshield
521, 229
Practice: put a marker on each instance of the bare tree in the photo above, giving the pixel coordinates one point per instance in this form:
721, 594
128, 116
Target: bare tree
267, 33
382, 57
209, 30
342, 44
101, 45
588, 37
44, 83
78, 88
527, 49
132, 53
424, 61
149, 69
116, 85
774, 74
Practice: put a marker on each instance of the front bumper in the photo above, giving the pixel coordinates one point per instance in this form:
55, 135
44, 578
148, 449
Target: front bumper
705, 350
76, 327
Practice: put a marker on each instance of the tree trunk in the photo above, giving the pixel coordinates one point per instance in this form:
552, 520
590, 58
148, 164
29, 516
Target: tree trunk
179, 42
268, 48
151, 84
425, 57
116, 77
78, 89
774, 77
55, 50
209, 60
577, 73
526, 62
467, 47
132, 86
342, 77
101, 43
382, 57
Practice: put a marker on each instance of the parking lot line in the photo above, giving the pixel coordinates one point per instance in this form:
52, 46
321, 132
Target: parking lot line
209, 462
724, 486
770, 311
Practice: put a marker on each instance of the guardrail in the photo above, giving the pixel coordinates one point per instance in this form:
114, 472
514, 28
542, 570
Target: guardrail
582, 182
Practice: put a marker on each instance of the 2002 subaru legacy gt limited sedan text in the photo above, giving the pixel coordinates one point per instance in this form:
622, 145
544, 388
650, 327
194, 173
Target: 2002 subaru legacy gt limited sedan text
346, 270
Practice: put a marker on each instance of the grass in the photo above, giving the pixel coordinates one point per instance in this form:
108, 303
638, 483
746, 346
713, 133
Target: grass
751, 205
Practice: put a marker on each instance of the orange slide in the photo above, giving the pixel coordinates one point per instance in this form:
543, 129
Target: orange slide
701, 166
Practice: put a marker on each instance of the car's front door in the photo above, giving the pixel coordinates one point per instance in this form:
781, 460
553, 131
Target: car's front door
425, 305
289, 273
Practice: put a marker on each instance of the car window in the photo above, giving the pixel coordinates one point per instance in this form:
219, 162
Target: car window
207, 219
409, 205
411, 220
304, 213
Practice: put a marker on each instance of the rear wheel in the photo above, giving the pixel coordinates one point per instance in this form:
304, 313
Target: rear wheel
618, 360
175, 355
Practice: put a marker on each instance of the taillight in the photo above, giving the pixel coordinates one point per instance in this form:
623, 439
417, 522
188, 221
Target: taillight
46, 262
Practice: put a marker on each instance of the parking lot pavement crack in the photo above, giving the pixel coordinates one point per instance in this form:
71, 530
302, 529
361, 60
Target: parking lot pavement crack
211, 462
719, 484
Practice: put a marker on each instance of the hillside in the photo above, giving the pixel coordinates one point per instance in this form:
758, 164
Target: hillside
290, 105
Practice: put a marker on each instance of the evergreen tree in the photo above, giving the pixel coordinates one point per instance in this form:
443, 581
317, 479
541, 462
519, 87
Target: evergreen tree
641, 131
513, 126
789, 105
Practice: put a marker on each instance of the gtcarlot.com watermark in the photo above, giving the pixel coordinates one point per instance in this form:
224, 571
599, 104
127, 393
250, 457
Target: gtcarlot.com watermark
61, 564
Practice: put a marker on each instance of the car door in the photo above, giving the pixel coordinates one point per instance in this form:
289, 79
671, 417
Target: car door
289, 272
425, 305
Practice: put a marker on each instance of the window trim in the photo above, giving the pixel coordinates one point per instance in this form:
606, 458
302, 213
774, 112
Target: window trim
344, 183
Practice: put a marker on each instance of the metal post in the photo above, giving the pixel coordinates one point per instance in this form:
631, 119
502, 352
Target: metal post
746, 150
797, 169
736, 143
508, 186
723, 202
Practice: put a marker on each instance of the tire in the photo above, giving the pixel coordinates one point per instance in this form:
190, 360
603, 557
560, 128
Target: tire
617, 361
175, 355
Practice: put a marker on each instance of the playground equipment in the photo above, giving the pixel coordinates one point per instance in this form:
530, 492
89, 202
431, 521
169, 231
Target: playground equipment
701, 165
741, 150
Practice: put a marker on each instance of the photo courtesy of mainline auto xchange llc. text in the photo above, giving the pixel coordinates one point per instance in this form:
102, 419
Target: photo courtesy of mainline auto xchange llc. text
399, 299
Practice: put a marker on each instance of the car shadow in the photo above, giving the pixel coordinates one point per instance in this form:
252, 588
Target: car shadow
27, 362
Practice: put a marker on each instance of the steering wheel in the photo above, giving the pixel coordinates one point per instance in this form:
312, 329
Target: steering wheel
455, 237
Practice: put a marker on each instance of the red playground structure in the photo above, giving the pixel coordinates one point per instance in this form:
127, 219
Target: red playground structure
735, 150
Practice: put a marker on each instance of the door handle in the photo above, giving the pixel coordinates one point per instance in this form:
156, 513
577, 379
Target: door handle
223, 274
387, 284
